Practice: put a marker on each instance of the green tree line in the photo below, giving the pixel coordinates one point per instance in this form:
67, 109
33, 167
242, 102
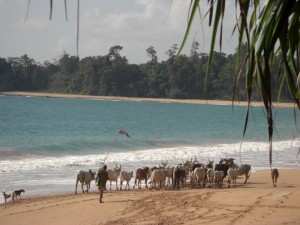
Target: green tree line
180, 76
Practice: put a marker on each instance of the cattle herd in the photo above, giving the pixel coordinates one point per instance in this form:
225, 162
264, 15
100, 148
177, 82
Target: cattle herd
190, 173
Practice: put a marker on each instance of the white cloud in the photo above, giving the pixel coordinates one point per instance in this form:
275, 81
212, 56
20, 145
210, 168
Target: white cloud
136, 29
62, 44
30, 24
2, 5
133, 24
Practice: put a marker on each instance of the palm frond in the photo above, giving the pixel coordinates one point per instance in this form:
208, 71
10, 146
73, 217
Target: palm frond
51, 8
195, 5
66, 13
27, 11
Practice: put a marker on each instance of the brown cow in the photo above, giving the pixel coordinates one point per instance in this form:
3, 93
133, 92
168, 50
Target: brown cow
274, 175
141, 174
179, 174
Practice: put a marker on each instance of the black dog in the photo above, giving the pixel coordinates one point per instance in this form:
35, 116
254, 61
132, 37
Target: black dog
17, 193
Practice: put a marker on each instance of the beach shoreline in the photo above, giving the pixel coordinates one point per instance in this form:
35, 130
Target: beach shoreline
136, 99
256, 202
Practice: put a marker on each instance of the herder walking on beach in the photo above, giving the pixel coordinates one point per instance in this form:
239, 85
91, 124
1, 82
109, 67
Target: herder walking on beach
102, 177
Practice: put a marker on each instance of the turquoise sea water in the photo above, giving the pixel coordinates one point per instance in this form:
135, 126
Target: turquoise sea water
44, 142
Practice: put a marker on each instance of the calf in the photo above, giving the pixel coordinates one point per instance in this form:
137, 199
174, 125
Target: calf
274, 175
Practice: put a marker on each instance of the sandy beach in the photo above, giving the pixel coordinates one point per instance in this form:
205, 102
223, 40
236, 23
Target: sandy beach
187, 101
256, 202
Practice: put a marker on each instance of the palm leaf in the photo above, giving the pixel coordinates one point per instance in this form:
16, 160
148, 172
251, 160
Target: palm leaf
213, 39
51, 7
194, 7
66, 10
27, 11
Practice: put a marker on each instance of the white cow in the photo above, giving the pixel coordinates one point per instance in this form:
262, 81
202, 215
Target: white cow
158, 177
200, 174
85, 177
193, 179
244, 169
218, 179
127, 177
113, 175
210, 176
232, 176
169, 174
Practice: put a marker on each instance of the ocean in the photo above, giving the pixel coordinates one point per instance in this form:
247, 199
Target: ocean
45, 142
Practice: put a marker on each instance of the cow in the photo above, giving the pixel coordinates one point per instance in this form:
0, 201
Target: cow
200, 174
196, 165
244, 169
232, 176
222, 167
158, 177
192, 179
210, 176
209, 164
127, 177
84, 177
169, 174
179, 174
163, 164
113, 175
190, 164
274, 175
141, 174
218, 178
151, 170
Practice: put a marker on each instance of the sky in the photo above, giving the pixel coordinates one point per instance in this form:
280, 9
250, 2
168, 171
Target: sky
133, 24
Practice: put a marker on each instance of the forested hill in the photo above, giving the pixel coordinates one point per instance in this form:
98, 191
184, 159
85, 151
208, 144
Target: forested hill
180, 77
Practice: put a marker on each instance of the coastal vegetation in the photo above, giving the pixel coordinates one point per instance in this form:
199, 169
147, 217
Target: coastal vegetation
179, 77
